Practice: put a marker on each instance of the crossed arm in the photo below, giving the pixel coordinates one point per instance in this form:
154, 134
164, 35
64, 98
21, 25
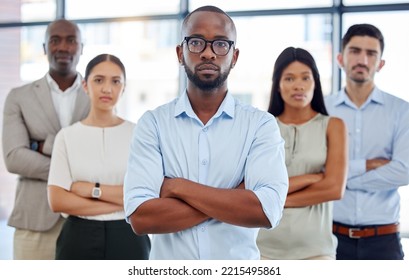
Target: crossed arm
184, 204
18, 157
310, 189
79, 202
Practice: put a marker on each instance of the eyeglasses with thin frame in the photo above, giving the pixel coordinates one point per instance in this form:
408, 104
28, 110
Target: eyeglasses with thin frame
198, 45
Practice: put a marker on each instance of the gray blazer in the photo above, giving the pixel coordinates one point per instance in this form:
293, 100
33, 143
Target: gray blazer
29, 114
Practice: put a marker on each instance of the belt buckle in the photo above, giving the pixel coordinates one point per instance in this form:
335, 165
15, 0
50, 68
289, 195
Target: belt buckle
351, 232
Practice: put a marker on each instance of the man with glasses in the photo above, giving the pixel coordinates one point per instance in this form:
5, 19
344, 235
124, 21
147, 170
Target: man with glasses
205, 171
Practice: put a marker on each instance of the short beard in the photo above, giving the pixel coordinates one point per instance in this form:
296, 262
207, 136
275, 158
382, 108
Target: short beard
359, 80
207, 85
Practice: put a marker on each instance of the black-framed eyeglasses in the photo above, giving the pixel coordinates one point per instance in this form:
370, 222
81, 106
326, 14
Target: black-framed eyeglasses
197, 45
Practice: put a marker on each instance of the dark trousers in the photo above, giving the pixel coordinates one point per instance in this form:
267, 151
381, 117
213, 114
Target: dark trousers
381, 247
82, 239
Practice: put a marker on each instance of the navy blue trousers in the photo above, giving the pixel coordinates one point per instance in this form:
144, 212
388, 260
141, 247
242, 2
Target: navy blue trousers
381, 247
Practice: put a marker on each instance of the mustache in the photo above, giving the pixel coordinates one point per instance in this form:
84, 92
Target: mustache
206, 64
361, 66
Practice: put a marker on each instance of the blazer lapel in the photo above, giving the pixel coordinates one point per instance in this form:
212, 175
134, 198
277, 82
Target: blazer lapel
43, 93
82, 105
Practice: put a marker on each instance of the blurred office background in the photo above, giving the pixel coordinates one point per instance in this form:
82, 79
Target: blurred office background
144, 34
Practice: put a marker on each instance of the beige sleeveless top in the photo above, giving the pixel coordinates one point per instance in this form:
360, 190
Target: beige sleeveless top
303, 232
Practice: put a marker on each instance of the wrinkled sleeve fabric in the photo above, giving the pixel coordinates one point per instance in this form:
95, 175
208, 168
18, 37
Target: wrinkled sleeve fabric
356, 167
144, 174
396, 172
266, 172
18, 157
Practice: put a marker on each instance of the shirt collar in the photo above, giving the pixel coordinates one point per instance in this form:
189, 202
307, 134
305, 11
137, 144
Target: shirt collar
183, 106
376, 96
54, 86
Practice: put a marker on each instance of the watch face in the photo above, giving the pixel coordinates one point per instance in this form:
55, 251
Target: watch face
34, 146
96, 192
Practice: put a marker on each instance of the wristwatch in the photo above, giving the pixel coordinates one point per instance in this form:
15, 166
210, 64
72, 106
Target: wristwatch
96, 191
34, 146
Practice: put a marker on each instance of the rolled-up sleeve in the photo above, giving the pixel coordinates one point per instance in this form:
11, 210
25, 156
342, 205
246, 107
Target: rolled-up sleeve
144, 175
266, 172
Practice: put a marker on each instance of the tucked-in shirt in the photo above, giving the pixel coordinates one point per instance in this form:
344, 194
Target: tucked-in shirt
377, 129
238, 142
91, 154
64, 101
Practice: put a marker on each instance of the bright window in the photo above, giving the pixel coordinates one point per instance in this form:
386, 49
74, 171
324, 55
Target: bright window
252, 76
77, 9
242, 5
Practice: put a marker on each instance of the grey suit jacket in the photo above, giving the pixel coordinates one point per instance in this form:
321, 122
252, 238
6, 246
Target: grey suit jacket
29, 114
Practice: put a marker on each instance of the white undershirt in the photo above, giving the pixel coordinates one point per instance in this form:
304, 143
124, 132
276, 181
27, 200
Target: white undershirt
64, 101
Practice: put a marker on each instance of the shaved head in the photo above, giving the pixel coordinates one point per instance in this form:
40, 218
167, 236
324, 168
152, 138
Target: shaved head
212, 9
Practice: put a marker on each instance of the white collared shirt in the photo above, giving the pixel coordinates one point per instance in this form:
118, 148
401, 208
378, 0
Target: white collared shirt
64, 101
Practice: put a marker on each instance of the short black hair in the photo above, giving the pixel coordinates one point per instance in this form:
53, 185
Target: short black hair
288, 56
363, 29
208, 8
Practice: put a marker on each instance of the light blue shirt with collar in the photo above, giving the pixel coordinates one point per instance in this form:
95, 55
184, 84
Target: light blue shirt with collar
377, 129
238, 142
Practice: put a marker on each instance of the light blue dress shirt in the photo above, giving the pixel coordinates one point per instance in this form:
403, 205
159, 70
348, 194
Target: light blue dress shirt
238, 142
378, 129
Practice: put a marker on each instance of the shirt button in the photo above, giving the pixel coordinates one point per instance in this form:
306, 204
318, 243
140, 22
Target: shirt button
203, 229
204, 161
205, 129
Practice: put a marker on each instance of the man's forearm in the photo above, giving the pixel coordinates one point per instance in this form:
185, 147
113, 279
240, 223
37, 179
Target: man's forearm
234, 206
165, 215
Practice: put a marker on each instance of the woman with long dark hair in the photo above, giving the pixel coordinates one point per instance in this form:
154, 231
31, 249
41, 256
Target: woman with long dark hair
316, 160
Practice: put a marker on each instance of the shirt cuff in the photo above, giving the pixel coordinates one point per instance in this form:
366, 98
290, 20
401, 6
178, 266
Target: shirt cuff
356, 167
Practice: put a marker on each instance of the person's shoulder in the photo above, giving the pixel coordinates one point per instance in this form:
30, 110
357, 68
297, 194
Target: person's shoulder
335, 121
252, 111
22, 91
245, 107
128, 125
395, 104
336, 126
162, 114
161, 111
73, 128
394, 99
330, 98
27, 86
255, 118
